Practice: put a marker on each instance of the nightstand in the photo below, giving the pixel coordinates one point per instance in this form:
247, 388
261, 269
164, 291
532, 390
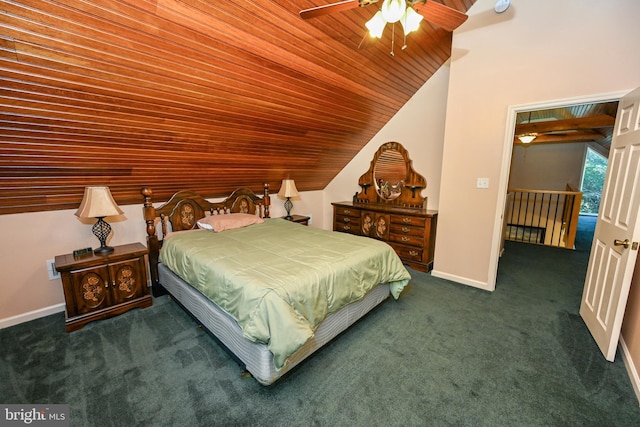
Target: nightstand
101, 286
300, 219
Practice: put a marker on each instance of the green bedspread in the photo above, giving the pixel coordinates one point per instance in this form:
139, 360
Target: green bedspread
278, 279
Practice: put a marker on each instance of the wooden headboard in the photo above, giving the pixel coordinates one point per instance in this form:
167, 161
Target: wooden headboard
182, 212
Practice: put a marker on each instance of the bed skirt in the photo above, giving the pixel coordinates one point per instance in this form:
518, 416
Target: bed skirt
256, 357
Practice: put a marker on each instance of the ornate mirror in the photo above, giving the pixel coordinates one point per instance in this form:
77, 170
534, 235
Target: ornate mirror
389, 174
391, 179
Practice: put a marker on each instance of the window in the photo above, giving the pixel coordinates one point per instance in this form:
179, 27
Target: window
595, 169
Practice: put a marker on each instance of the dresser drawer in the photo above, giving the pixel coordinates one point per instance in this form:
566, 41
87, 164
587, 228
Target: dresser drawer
347, 220
407, 252
407, 239
348, 228
408, 220
341, 211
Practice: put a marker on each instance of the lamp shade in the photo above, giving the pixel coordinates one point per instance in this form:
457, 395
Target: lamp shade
97, 203
288, 189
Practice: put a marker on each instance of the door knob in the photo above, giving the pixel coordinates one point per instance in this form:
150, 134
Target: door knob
624, 243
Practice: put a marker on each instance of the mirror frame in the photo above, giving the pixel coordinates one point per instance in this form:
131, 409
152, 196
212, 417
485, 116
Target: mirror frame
411, 193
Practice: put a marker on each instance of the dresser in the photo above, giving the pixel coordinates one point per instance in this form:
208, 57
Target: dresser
390, 207
410, 232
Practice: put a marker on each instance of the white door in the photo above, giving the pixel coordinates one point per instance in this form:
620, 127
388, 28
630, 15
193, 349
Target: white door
615, 244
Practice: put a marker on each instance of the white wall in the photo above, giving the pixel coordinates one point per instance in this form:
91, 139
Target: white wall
547, 166
536, 51
419, 127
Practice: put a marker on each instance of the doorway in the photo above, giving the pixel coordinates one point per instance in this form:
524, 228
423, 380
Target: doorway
558, 166
510, 135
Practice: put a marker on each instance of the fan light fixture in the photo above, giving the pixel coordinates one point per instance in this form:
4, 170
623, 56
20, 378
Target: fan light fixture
391, 12
527, 138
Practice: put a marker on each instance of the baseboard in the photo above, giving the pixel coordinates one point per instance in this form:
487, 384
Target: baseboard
31, 315
462, 280
631, 368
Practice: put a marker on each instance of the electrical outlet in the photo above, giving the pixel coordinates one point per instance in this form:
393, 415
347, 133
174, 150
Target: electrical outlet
310, 218
51, 270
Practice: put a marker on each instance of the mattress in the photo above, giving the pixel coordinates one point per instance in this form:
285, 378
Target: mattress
256, 357
280, 280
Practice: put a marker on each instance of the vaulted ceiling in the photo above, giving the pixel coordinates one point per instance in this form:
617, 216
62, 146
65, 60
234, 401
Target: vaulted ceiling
193, 94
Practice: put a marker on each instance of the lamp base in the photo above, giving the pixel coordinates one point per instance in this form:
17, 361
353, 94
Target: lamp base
103, 250
288, 205
101, 229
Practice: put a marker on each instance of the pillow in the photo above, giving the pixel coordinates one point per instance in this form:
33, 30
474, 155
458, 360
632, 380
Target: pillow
173, 233
219, 223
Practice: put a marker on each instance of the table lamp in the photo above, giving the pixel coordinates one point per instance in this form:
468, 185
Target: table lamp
287, 191
98, 203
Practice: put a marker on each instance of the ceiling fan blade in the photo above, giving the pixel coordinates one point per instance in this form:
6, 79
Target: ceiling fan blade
440, 15
334, 7
329, 8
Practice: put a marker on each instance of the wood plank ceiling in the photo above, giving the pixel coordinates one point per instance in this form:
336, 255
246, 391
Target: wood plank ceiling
192, 94
578, 123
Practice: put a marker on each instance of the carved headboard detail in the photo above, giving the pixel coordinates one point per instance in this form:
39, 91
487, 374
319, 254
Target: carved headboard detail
182, 212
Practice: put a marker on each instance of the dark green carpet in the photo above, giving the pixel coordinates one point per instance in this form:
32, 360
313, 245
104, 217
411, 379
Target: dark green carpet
443, 355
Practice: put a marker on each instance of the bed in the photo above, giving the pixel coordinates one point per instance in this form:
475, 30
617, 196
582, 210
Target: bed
271, 291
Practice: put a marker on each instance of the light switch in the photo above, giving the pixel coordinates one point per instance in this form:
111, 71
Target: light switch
482, 183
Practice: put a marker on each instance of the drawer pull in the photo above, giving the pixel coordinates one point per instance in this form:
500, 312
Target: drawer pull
406, 220
405, 229
347, 220
413, 253
347, 212
405, 239
346, 227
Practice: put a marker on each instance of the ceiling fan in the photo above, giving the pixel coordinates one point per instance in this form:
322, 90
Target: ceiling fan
438, 14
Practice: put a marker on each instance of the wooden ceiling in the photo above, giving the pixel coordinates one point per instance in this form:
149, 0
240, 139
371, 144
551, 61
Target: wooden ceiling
578, 123
193, 94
